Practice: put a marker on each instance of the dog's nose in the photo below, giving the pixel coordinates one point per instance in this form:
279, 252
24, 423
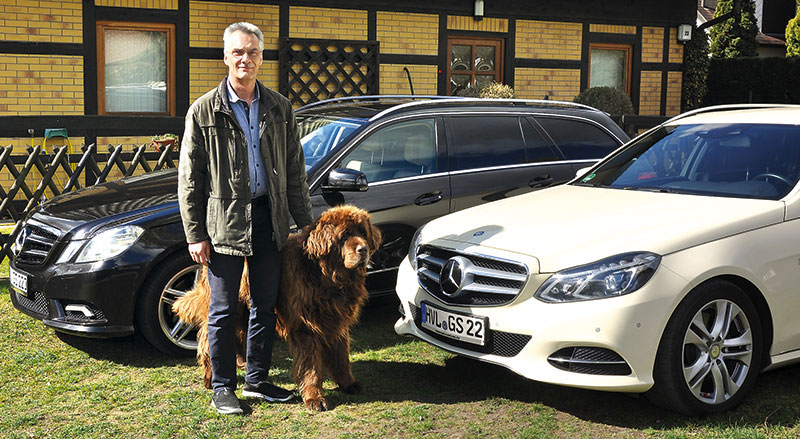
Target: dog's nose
361, 249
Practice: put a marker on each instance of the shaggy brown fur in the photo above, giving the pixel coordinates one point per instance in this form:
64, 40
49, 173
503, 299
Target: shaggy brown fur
322, 291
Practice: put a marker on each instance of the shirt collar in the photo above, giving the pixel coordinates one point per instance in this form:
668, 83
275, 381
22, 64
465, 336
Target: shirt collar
234, 98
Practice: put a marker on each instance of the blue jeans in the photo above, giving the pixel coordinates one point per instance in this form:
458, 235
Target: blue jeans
224, 275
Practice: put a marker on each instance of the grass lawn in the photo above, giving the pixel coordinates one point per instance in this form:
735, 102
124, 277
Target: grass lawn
58, 386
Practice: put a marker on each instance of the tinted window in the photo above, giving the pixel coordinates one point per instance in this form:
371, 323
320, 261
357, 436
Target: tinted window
732, 160
578, 140
483, 141
536, 148
404, 149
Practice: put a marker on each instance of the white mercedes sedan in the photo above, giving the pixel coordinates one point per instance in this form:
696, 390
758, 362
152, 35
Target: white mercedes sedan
672, 267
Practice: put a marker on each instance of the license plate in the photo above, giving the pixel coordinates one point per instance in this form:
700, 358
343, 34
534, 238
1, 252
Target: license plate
18, 280
460, 327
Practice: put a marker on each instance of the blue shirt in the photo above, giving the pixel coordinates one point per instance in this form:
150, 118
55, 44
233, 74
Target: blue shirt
247, 116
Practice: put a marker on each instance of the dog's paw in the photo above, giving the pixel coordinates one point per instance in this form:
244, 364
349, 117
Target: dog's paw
352, 389
316, 404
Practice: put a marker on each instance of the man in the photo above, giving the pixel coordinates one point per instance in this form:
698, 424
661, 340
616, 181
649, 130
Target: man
241, 174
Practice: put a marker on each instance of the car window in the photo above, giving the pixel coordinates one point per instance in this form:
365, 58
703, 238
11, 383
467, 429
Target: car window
536, 148
319, 135
485, 141
578, 140
738, 160
404, 149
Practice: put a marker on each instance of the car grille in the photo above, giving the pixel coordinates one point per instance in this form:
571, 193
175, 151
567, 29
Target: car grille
480, 280
36, 305
589, 360
37, 241
503, 344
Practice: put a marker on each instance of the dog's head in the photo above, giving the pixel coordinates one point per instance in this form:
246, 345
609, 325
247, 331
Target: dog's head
343, 236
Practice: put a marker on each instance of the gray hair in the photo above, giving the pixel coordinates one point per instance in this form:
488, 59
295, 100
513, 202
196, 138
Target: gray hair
244, 27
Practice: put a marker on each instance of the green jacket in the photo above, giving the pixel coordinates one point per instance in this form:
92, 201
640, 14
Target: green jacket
214, 178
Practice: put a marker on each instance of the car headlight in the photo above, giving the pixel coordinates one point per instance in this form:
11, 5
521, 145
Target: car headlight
412, 248
611, 277
109, 243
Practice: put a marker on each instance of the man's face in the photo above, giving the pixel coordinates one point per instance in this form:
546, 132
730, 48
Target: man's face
242, 56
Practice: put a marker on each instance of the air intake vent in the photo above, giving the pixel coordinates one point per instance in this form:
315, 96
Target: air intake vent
589, 360
467, 279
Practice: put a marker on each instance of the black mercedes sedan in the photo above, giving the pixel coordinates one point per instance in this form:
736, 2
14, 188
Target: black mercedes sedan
110, 259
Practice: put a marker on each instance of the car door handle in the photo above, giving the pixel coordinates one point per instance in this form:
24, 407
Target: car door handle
429, 198
541, 181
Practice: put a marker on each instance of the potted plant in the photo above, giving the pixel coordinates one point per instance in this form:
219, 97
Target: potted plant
161, 141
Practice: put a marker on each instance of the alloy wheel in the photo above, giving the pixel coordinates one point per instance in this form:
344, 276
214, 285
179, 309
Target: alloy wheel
717, 351
180, 333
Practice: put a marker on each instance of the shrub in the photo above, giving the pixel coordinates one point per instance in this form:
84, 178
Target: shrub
793, 35
608, 99
743, 80
488, 90
736, 36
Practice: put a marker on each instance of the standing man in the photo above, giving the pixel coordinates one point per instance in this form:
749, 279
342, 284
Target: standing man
241, 174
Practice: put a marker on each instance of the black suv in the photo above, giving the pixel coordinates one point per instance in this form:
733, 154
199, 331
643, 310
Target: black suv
110, 258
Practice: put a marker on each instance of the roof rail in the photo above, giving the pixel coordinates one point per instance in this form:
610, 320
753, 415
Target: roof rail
511, 102
370, 98
729, 107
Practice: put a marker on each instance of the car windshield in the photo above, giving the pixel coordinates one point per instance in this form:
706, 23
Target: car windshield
727, 160
320, 134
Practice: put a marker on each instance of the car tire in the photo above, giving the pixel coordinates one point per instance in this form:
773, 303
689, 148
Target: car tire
702, 367
172, 278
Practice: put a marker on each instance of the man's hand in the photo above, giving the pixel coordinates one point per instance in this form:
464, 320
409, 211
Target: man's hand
200, 252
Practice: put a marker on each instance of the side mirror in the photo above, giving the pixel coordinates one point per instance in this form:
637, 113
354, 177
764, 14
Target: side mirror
347, 180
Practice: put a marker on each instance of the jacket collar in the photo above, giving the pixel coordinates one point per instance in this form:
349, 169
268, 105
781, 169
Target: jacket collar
222, 103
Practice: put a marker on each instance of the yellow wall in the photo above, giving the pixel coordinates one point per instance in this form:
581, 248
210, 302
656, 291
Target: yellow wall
650, 94
675, 48
612, 29
395, 81
55, 85
151, 4
394, 31
556, 84
327, 23
548, 40
41, 21
469, 23
674, 86
207, 21
652, 44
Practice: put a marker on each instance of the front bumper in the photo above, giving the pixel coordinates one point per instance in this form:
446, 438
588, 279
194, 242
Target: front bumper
627, 327
94, 300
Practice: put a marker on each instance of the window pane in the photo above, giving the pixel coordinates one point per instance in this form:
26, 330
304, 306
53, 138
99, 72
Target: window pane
536, 148
402, 150
608, 68
484, 58
459, 82
483, 79
578, 140
481, 142
135, 71
461, 57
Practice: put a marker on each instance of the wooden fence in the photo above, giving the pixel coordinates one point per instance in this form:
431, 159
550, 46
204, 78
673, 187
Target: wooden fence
79, 170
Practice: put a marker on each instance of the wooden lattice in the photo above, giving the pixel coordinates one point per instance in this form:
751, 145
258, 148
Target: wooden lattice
48, 164
313, 70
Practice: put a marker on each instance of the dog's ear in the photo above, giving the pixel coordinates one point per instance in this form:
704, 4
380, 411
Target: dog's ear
321, 239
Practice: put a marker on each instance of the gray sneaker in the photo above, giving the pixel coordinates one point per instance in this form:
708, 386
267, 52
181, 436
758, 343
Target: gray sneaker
268, 391
226, 402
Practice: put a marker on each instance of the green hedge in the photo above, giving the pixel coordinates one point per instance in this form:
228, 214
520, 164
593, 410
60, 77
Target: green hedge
758, 80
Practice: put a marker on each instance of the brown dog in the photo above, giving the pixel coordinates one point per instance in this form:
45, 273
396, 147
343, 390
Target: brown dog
322, 291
